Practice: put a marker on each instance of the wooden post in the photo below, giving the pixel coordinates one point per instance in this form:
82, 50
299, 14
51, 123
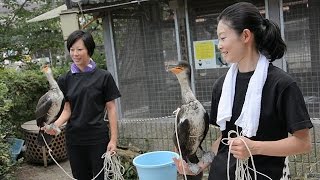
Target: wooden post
44, 156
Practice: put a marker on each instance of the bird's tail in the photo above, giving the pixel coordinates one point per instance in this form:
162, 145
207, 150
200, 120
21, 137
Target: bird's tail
44, 136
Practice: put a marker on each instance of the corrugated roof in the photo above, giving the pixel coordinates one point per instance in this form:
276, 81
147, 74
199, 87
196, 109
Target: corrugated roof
74, 3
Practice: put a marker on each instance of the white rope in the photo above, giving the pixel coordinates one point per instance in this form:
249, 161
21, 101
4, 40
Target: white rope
112, 166
178, 143
242, 166
49, 151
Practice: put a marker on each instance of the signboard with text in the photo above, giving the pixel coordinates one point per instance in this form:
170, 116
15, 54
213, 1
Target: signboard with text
207, 55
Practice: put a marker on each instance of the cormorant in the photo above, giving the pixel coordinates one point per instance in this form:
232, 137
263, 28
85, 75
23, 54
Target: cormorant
192, 118
48, 106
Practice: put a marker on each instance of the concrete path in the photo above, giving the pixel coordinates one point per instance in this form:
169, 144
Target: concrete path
37, 172
52, 172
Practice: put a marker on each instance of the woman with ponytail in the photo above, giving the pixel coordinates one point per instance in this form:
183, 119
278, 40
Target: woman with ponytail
255, 105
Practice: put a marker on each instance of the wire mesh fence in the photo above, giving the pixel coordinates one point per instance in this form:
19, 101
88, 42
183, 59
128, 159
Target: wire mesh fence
143, 47
301, 30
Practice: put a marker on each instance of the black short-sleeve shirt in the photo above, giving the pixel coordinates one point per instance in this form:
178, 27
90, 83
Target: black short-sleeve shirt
283, 111
87, 93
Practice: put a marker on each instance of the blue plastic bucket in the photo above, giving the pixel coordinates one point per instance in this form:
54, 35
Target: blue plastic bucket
15, 147
157, 165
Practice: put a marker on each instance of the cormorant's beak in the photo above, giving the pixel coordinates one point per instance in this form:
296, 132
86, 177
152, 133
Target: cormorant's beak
174, 68
45, 68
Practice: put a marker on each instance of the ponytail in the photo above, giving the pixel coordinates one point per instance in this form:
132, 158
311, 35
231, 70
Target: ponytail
272, 44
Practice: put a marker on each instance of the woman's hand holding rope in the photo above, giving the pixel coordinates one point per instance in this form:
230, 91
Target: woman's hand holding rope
240, 147
112, 147
51, 129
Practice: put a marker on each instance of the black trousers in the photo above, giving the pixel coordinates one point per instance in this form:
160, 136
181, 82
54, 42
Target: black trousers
86, 161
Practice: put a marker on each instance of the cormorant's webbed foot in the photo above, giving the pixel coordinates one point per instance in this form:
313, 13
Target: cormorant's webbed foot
207, 157
194, 168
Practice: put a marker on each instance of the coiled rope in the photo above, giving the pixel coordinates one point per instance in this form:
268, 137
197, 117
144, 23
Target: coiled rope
242, 171
111, 166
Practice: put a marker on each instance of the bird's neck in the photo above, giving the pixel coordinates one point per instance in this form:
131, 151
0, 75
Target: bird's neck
186, 92
52, 82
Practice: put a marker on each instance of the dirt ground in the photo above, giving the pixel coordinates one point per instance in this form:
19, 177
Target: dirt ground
28, 171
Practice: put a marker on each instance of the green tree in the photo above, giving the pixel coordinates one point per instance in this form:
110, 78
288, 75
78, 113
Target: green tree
19, 38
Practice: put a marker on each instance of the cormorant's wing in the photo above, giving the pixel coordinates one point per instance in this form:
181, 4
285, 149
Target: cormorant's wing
206, 122
42, 109
183, 135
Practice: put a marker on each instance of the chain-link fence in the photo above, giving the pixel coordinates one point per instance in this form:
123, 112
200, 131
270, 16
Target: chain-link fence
302, 35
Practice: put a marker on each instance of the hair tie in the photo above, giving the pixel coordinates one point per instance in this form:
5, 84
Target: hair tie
265, 22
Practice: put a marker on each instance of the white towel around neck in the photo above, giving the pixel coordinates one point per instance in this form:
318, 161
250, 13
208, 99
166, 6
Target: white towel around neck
250, 114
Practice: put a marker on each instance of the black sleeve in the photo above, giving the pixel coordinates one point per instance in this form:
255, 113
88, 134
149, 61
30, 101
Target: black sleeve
214, 107
293, 110
111, 90
63, 85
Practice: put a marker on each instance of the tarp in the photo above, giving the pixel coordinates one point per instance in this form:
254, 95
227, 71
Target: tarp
49, 15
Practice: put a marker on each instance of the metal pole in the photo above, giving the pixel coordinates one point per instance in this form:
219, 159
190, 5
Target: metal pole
189, 47
176, 28
266, 4
284, 62
110, 54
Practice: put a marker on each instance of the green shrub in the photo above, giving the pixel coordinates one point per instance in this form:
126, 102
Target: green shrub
25, 89
5, 103
19, 94
5, 130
